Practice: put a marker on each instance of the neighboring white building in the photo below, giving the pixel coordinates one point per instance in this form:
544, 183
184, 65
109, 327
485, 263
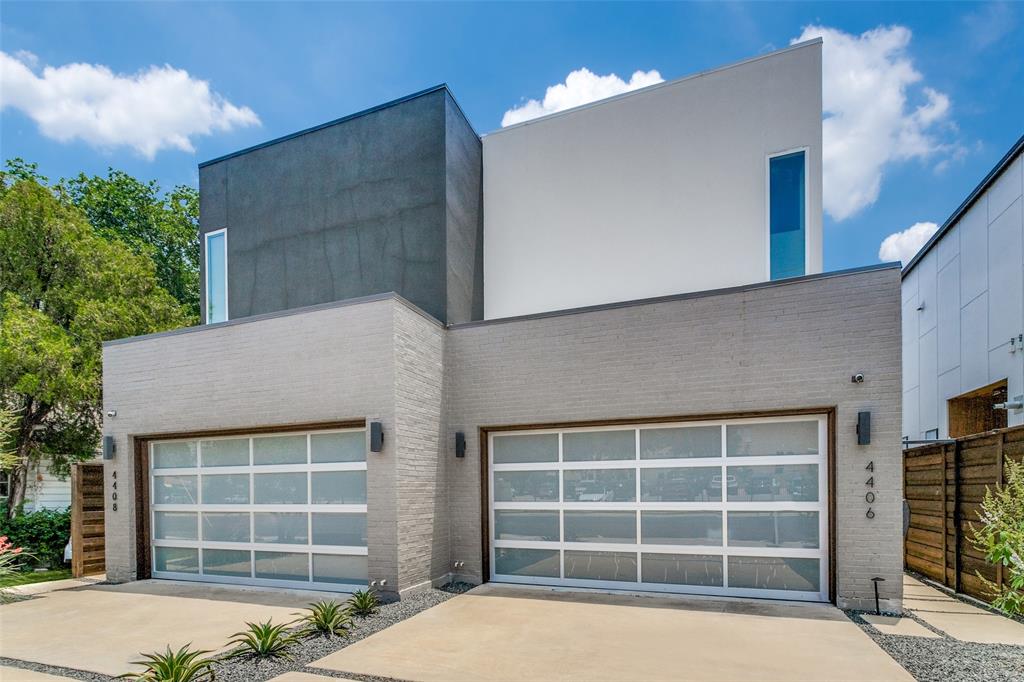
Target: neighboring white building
963, 313
657, 191
44, 490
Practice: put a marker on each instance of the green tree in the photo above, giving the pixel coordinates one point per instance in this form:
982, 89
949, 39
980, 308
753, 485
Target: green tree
161, 226
64, 290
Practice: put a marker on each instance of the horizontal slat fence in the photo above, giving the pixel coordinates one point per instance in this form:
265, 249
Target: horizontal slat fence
88, 543
944, 484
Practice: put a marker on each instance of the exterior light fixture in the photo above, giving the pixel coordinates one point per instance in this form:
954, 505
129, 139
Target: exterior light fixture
376, 436
109, 447
863, 428
460, 444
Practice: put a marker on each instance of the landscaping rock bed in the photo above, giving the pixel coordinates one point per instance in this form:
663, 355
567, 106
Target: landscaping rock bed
945, 658
248, 669
310, 649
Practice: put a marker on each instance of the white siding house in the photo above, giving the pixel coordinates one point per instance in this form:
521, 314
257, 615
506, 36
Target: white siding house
963, 305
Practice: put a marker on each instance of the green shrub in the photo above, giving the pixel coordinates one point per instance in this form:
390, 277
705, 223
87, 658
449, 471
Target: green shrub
1001, 537
264, 640
175, 666
327, 618
43, 534
363, 603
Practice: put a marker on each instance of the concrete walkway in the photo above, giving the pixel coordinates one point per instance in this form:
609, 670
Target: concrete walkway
505, 633
959, 619
102, 628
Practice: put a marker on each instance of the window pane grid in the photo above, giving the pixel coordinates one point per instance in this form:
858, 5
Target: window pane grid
784, 500
222, 494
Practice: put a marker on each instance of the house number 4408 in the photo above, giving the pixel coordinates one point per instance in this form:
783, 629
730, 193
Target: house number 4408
869, 496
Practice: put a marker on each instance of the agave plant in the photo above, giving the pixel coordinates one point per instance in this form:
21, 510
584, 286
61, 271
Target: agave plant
265, 640
363, 603
327, 618
175, 666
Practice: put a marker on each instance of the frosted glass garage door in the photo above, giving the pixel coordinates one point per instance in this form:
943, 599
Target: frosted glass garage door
278, 510
729, 507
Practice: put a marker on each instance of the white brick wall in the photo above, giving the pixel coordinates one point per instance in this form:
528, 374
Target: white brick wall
785, 346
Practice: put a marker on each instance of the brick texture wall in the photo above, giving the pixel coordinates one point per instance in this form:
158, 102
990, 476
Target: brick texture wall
423, 552
321, 365
788, 346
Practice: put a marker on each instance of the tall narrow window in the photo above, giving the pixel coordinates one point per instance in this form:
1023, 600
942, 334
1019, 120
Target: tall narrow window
787, 229
216, 276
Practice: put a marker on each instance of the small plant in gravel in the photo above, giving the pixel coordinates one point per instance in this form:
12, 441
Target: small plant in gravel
1001, 537
363, 603
264, 640
327, 618
182, 665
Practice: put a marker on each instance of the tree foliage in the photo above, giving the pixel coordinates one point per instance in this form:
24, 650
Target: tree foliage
64, 289
163, 227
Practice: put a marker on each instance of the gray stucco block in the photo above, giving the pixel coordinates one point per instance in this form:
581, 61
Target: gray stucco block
363, 206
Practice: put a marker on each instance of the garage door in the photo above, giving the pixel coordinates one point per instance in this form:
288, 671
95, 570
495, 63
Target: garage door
277, 510
726, 508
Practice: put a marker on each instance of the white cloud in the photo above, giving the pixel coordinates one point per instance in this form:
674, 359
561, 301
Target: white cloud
157, 108
869, 123
903, 246
580, 87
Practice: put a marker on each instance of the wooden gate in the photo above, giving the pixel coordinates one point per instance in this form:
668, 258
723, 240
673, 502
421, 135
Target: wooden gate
944, 485
88, 546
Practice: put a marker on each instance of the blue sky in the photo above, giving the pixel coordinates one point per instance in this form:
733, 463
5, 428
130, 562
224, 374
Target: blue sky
943, 100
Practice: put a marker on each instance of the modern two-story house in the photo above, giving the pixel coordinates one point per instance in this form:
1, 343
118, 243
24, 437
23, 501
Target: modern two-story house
963, 314
593, 350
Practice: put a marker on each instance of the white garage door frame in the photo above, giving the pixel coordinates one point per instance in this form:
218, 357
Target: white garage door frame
822, 506
251, 507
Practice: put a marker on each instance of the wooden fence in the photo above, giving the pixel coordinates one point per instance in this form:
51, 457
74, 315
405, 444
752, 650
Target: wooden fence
88, 544
944, 484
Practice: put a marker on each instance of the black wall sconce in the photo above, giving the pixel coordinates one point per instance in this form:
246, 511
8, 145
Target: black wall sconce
376, 436
109, 447
460, 444
863, 428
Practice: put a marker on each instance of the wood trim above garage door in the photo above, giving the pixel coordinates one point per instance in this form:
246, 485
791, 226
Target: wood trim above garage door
830, 458
143, 532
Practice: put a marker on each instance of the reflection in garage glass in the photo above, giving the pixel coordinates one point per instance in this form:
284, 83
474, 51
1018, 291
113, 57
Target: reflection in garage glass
774, 483
541, 563
683, 569
526, 486
773, 529
681, 443
599, 485
681, 484
600, 526
598, 446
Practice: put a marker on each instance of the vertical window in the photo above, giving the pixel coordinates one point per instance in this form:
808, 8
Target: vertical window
787, 230
216, 276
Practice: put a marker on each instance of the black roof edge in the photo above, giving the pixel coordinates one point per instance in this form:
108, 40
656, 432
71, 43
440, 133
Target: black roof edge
458, 107
986, 182
682, 297
349, 117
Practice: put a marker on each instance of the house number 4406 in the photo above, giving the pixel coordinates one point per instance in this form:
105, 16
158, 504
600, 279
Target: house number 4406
869, 496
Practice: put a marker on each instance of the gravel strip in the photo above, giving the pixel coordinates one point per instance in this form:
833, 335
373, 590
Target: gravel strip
248, 669
944, 659
55, 670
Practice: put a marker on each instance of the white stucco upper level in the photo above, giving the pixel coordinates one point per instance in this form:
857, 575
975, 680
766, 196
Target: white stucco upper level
659, 191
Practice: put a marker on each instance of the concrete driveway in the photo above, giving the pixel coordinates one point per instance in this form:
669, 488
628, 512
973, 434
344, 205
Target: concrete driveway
102, 628
505, 633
